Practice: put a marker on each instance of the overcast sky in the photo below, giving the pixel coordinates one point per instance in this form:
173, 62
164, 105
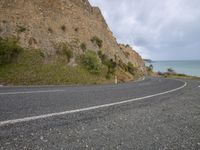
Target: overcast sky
157, 29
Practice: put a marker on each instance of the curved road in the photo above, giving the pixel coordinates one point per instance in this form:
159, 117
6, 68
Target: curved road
154, 113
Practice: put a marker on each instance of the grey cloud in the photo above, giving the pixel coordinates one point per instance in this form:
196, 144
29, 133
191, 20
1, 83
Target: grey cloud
167, 29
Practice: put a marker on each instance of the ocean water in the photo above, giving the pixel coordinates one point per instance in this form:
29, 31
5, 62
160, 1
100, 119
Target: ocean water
184, 67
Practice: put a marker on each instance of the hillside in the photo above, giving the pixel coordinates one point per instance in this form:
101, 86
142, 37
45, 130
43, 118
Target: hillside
50, 26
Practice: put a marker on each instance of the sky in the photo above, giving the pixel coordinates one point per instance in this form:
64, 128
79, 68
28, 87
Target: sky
157, 29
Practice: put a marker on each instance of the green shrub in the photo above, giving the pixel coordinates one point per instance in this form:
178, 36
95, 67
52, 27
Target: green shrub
66, 50
131, 68
42, 54
108, 76
83, 47
68, 53
111, 65
181, 75
96, 40
103, 57
91, 62
9, 50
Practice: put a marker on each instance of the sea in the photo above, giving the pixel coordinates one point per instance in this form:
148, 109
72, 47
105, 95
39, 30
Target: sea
189, 67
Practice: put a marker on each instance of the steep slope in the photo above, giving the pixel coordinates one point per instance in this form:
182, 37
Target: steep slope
133, 57
44, 24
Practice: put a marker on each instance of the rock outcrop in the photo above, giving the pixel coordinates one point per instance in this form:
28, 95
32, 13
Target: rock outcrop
42, 24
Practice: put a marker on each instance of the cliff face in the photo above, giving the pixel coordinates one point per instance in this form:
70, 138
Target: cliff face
133, 57
42, 24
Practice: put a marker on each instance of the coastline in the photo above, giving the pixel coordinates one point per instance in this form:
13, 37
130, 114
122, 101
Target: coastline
183, 67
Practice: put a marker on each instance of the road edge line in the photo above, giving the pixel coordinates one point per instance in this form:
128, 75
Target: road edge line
31, 92
26, 119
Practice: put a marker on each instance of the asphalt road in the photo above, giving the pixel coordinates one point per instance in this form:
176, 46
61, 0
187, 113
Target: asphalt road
152, 114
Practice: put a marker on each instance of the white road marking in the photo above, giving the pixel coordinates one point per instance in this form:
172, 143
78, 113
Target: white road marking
45, 91
31, 92
8, 122
39, 86
199, 86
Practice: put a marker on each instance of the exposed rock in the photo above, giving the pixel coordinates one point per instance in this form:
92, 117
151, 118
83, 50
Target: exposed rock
41, 24
133, 57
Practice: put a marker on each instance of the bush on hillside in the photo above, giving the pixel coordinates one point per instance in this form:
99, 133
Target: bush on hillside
97, 41
128, 67
83, 47
102, 56
65, 50
9, 50
21, 29
91, 62
111, 65
131, 68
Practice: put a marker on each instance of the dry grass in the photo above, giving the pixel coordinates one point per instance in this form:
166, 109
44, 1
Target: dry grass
30, 69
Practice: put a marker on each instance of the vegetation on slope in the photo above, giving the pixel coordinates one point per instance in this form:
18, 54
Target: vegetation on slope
171, 73
31, 69
19, 66
9, 50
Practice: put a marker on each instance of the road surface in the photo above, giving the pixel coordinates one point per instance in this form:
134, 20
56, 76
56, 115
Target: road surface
154, 113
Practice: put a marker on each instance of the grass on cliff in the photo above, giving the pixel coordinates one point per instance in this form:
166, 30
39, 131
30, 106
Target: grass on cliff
91, 62
31, 68
9, 50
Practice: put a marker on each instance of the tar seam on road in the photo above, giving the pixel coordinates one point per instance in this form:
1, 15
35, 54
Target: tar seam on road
8, 122
31, 92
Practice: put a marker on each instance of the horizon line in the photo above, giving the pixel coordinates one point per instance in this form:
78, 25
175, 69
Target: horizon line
174, 59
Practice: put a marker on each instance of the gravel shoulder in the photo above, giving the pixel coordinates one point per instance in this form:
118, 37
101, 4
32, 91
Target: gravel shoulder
170, 121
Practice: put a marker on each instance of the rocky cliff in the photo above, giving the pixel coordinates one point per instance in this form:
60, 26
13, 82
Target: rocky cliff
43, 24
